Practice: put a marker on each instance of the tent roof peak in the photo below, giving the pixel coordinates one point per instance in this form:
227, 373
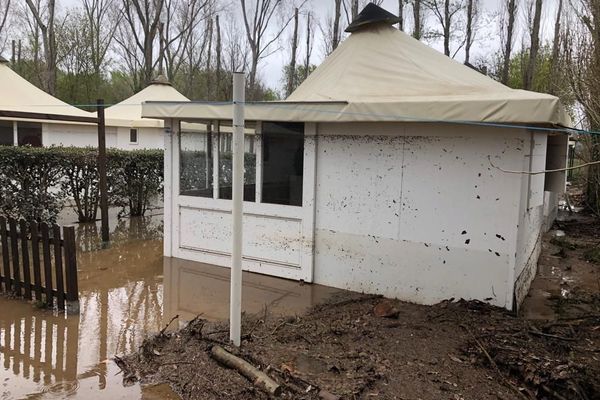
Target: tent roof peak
372, 15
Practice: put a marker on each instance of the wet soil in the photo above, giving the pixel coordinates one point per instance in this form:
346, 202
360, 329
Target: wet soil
454, 350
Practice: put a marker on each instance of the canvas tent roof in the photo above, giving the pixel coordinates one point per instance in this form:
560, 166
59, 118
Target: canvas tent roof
22, 100
381, 74
129, 112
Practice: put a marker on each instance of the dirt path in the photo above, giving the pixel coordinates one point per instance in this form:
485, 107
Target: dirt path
454, 350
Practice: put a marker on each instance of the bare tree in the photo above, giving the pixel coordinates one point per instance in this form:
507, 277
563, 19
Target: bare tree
472, 11
309, 44
257, 19
418, 28
534, 48
335, 38
209, 34
582, 53
101, 27
401, 14
445, 11
354, 12
47, 28
511, 9
218, 55
4, 8
292, 67
556, 48
137, 36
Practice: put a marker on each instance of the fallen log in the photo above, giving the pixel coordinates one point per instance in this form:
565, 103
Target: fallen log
258, 377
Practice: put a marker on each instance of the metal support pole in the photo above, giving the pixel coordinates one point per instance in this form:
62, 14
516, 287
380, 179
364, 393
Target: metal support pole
102, 171
235, 304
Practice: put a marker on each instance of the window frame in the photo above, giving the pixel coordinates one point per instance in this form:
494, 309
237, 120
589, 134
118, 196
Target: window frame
137, 137
257, 148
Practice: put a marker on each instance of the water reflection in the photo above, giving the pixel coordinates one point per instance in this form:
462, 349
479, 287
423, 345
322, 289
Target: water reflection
46, 354
192, 288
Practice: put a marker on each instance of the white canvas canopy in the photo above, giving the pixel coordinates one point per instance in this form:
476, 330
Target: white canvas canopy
21, 100
128, 113
381, 74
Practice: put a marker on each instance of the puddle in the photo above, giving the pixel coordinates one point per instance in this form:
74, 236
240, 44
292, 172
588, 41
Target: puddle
124, 290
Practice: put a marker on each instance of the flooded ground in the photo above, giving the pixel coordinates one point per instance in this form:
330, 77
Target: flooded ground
124, 289
563, 271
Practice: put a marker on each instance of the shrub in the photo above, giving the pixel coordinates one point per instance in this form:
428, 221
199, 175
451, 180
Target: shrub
81, 181
29, 182
135, 179
35, 181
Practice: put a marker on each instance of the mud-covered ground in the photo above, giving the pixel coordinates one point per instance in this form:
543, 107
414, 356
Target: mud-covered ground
454, 350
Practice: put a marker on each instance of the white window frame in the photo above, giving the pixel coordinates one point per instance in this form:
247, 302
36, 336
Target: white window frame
137, 136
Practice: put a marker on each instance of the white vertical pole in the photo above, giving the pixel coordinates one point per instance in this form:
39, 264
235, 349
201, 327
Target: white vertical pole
235, 303
15, 134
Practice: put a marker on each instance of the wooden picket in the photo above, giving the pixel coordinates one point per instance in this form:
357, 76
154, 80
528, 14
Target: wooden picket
56, 264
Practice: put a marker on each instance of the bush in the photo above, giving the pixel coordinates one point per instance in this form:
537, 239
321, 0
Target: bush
35, 181
135, 178
29, 182
81, 181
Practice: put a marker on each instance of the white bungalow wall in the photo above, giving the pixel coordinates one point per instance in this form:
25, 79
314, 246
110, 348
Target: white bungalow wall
75, 135
148, 138
418, 213
87, 135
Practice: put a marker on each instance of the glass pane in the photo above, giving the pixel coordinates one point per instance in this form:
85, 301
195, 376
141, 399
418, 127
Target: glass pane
195, 161
133, 135
225, 166
6, 133
29, 134
283, 163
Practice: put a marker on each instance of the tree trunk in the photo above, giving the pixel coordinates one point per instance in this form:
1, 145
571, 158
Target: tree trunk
401, 14
447, 27
469, 38
292, 67
49, 41
512, 10
308, 49
208, 60
417, 32
354, 9
535, 46
336, 25
218, 55
555, 50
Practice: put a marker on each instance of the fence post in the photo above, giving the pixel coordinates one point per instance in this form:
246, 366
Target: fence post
58, 267
5, 258
25, 252
14, 245
71, 270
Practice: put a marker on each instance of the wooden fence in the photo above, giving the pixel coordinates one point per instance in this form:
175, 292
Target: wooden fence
38, 262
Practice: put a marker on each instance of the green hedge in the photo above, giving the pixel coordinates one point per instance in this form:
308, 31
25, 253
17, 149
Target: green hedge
35, 182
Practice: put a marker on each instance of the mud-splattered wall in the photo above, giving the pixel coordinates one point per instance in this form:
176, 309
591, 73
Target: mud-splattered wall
418, 212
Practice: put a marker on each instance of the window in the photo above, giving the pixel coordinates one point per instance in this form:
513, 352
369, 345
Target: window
195, 161
226, 171
283, 163
133, 136
29, 134
6, 133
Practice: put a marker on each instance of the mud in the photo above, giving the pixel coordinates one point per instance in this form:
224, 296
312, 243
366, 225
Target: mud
454, 350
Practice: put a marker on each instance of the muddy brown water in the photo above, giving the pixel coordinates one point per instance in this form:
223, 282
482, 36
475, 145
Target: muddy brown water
127, 292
